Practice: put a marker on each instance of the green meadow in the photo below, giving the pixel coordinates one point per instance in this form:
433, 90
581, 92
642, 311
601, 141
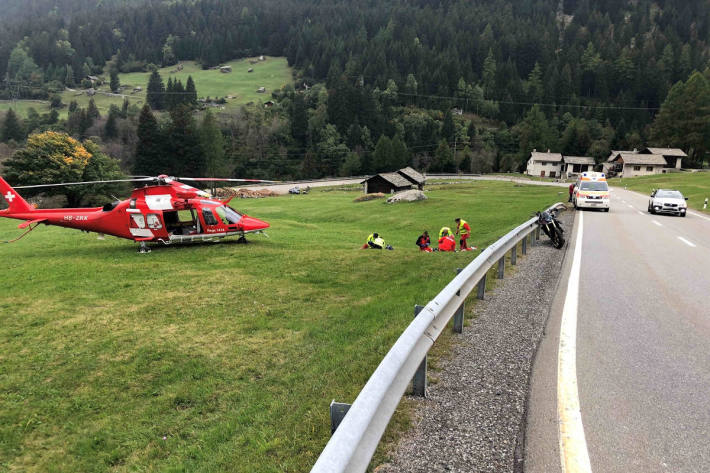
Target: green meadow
694, 185
273, 74
218, 357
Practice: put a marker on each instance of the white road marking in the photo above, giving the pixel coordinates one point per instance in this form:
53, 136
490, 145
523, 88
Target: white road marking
630, 206
699, 215
692, 245
573, 445
657, 223
640, 213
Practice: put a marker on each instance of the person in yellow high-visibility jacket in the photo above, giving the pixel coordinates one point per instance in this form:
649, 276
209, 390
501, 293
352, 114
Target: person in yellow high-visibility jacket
463, 229
444, 229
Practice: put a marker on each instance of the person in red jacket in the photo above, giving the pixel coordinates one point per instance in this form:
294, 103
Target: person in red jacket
463, 229
424, 242
447, 242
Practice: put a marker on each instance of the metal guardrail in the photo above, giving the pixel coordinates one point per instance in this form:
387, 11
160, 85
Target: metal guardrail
352, 445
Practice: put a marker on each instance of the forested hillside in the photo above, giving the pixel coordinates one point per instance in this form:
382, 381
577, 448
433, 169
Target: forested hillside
578, 76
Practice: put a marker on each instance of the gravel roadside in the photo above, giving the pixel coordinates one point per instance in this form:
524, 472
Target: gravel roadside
473, 419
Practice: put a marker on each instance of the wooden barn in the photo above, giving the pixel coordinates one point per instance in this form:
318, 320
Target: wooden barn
413, 176
387, 183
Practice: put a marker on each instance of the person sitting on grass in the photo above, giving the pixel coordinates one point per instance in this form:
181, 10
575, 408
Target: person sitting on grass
376, 242
424, 242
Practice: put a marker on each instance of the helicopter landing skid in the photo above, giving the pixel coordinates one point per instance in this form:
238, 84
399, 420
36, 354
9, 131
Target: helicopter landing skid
242, 240
144, 248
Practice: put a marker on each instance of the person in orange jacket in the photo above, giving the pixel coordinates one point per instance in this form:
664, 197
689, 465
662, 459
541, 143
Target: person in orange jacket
463, 229
446, 242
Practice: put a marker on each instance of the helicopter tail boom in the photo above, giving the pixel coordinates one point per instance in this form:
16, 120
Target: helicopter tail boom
16, 204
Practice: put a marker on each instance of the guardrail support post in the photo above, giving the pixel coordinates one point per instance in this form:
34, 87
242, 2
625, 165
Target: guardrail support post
501, 267
537, 234
514, 255
337, 414
525, 245
458, 315
481, 288
419, 379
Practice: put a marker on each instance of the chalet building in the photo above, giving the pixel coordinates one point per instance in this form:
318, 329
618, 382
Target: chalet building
387, 183
631, 164
574, 165
673, 156
608, 167
544, 164
413, 176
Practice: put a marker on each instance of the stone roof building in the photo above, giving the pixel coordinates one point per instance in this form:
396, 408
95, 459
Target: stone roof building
573, 165
413, 176
387, 183
673, 156
544, 164
633, 164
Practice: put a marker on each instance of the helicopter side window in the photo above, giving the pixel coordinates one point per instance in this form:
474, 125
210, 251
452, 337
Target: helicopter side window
222, 215
154, 222
209, 217
137, 221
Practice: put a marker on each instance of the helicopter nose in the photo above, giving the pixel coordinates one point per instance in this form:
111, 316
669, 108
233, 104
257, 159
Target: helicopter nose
251, 224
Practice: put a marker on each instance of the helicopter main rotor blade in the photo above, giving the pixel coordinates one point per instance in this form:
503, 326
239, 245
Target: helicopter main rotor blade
215, 179
85, 183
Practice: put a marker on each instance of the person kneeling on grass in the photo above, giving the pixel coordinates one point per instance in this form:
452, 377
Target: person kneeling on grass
424, 242
446, 242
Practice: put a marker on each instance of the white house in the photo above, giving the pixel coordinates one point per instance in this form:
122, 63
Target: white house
544, 164
638, 164
573, 165
673, 156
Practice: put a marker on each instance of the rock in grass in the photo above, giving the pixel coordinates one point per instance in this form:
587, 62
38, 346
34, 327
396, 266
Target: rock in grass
407, 196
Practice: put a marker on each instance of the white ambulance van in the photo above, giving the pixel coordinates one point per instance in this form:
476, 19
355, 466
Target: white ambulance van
591, 191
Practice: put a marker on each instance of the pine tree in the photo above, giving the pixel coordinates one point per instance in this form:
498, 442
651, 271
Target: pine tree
155, 93
448, 128
69, 77
92, 110
186, 157
381, 157
85, 122
114, 83
212, 144
111, 127
191, 97
149, 149
178, 96
299, 119
170, 99
12, 128
400, 154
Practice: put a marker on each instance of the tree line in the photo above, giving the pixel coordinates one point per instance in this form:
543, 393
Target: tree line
437, 85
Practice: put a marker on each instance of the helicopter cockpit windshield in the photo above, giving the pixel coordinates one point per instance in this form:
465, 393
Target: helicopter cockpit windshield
228, 215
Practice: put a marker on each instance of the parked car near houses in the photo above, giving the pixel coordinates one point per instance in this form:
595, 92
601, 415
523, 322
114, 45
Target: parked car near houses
668, 202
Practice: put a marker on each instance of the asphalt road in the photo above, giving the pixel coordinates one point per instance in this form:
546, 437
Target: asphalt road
642, 346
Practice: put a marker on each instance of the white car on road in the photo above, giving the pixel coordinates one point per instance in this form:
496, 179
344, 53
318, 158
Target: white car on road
667, 202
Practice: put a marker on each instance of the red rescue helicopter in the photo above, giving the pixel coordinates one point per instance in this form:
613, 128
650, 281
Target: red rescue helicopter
165, 210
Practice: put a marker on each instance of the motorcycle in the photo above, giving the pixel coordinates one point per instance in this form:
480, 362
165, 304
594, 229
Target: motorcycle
552, 227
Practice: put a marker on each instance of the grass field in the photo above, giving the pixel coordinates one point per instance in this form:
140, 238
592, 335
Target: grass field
217, 357
695, 186
273, 73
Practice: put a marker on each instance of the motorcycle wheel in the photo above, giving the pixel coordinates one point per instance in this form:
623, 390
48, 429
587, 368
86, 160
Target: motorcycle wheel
558, 242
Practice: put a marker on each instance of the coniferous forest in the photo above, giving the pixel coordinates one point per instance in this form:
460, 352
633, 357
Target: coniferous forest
442, 86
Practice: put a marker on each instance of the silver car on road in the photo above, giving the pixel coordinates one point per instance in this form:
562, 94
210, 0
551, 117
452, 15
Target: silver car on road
667, 201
